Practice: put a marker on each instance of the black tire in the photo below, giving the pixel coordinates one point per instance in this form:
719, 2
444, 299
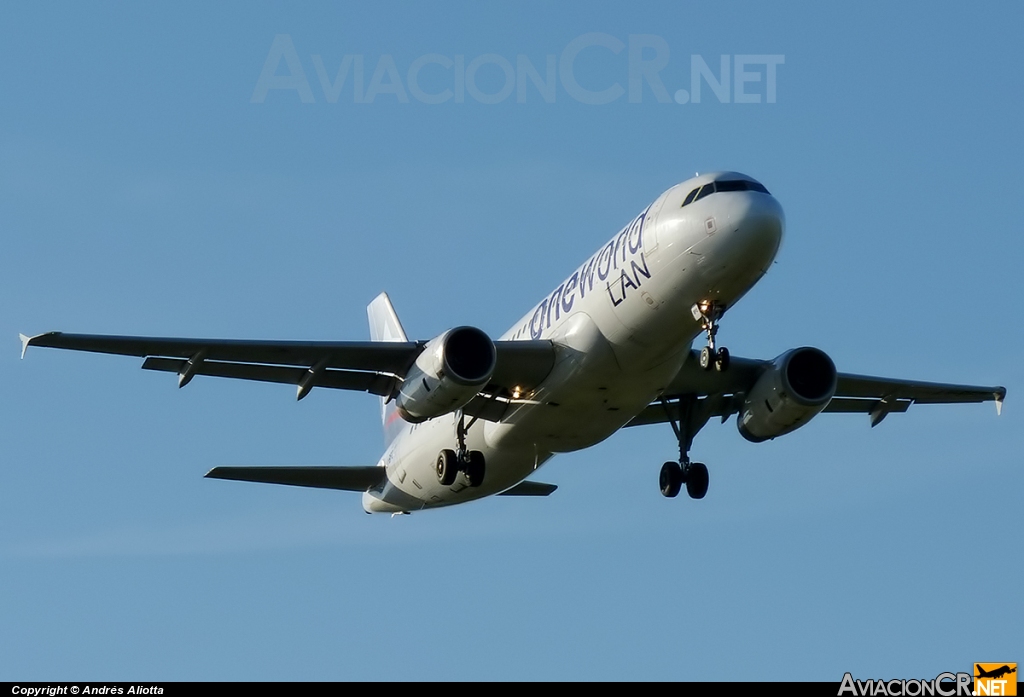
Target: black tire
707, 358
475, 468
447, 467
697, 480
670, 479
722, 359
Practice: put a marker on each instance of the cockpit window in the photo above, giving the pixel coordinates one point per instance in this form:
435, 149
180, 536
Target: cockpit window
734, 185
705, 190
721, 186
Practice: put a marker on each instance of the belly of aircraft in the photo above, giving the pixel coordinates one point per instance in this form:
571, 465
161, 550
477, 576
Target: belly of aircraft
590, 395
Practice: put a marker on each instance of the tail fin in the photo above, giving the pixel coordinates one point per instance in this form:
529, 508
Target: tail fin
385, 326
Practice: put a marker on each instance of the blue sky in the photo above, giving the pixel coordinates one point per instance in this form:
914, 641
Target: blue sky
143, 191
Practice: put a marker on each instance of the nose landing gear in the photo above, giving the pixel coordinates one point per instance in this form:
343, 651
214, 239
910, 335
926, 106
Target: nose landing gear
708, 312
470, 462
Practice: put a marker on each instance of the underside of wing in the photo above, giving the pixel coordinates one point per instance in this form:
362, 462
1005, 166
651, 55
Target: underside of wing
697, 395
377, 367
710, 393
391, 357
868, 387
530, 489
343, 478
879, 397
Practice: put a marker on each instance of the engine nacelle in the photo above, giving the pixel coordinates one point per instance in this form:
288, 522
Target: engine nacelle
448, 373
791, 392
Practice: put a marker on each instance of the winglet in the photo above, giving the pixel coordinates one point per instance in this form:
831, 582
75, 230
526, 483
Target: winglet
1000, 395
27, 341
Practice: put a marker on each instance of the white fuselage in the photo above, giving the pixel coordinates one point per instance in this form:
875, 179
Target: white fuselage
622, 327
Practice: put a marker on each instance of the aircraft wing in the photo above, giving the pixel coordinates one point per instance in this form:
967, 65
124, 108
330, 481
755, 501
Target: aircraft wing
721, 394
528, 488
369, 366
344, 478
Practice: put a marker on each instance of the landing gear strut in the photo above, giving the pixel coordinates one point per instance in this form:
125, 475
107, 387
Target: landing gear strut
675, 474
708, 312
470, 462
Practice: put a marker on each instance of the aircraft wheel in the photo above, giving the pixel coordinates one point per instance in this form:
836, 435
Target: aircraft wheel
670, 479
475, 468
447, 467
707, 358
697, 480
722, 359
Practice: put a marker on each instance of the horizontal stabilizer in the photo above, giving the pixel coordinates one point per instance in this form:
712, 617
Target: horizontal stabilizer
344, 478
530, 489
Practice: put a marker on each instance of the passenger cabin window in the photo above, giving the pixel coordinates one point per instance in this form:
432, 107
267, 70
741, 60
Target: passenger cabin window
724, 185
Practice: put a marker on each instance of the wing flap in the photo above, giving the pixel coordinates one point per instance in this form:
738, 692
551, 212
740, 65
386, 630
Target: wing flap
342, 478
846, 405
672, 410
373, 383
488, 408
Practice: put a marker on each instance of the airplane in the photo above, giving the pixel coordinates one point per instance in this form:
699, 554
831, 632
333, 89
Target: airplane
996, 673
465, 416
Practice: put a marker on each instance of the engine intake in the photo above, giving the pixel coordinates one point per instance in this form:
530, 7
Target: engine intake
468, 355
448, 373
791, 391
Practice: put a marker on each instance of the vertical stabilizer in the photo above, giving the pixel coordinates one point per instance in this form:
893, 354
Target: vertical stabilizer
385, 326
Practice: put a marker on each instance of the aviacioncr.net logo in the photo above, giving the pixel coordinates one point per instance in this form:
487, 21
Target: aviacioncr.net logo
995, 679
943, 685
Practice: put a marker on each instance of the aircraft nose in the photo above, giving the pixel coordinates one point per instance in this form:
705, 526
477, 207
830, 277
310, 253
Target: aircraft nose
755, 223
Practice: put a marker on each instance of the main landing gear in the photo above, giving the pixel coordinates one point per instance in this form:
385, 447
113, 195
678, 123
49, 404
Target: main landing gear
469, 462
693, 474
708, 312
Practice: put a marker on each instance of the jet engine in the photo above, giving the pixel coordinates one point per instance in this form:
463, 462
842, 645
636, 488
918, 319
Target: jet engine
796, 386
448, 373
